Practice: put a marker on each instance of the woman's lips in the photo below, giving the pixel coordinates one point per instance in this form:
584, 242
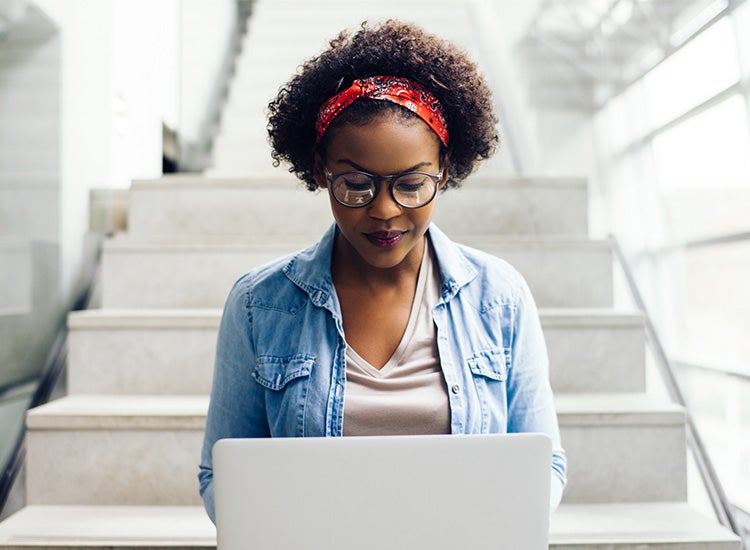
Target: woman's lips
385, 239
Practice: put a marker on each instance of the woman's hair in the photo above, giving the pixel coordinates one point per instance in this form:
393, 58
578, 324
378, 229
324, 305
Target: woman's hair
388, 49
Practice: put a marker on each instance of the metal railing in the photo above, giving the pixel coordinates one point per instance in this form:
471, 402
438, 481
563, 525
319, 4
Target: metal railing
723, 508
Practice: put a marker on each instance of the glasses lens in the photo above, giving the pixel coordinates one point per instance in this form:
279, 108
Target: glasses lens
414, 189
354, 188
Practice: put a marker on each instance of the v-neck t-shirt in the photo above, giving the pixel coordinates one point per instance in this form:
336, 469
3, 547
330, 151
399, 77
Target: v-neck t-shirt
408, 395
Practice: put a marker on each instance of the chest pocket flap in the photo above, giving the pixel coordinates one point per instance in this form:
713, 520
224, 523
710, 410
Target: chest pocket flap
275, 373
492, 363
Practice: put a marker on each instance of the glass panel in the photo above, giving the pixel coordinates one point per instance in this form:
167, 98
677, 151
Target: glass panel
709, 150
720, 404
742, 21
698, 71
715, 325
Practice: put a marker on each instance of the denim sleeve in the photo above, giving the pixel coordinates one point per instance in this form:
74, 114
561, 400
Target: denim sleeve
236, 408
531, 406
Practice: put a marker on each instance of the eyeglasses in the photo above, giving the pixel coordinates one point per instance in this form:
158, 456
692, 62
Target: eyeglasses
358, 189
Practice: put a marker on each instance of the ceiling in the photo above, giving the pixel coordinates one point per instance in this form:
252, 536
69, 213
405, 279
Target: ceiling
576, 54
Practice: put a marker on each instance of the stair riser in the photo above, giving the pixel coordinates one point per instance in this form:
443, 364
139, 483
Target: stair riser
174, 361
113, 467
625, 463
558, 277
137, 362
617, 463
288, 209
517, 209
596, 359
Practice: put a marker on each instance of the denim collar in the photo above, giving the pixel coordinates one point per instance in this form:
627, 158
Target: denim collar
311, 269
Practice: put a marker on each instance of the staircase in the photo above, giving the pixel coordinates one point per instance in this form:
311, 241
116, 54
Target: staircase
114, 464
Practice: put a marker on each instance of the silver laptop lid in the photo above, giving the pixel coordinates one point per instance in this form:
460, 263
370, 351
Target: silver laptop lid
394, 492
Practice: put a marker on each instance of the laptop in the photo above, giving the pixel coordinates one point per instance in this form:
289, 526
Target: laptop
384, 492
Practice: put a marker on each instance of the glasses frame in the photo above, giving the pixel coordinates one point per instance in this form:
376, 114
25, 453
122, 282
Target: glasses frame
390, 179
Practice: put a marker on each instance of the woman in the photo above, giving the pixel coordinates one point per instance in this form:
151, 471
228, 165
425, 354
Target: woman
385, 326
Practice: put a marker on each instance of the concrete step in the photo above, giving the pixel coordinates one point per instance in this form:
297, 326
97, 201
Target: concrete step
621, 448
637, 526
111, 527
595, 351
136, 352
180, 274
114, 450
640, 526
199, 206
182, 206
235, 160
172, 351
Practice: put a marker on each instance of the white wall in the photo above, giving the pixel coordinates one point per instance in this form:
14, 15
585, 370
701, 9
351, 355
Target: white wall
127, 66
85, 157
206, 30
144, 75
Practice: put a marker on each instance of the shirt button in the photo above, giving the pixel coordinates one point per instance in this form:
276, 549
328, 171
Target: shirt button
456, 388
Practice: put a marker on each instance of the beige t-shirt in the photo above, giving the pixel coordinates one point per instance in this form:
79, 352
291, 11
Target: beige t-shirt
408, 395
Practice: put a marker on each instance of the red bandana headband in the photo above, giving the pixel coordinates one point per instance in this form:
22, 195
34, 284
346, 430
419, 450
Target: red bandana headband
404, 92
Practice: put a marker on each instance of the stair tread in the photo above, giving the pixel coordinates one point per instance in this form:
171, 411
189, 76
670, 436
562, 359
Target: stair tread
619, 408
143, 318
121, 412
664, 522
188, 526
116, 526
188, 411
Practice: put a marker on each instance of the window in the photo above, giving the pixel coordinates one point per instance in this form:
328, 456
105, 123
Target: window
709, 150
704, 67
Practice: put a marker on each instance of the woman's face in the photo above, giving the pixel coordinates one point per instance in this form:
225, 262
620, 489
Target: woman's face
382, 234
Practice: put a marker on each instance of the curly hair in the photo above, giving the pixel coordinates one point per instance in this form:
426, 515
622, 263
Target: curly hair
396, 49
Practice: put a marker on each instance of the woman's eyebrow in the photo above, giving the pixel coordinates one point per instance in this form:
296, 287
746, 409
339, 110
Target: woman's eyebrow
361, 169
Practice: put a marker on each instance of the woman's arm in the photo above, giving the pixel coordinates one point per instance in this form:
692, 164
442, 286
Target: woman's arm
237, 407
530, 402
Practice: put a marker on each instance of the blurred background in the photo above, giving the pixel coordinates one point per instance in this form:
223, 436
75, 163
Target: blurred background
647, 99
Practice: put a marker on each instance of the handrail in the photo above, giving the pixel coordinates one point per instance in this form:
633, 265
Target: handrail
726, 238
53, 369
742, 376
722, 507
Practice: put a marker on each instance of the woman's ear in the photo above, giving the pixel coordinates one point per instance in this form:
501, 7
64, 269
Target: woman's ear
445, 168
318, 171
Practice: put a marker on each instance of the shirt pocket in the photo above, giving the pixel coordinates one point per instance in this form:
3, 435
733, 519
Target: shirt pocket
489, 372
275, 373
491, 363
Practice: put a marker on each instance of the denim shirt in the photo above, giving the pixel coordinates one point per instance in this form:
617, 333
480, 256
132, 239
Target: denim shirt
281, 369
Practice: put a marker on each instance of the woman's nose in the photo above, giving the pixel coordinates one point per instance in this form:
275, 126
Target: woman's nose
384, 207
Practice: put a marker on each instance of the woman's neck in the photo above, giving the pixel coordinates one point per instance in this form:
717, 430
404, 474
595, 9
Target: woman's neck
351, 271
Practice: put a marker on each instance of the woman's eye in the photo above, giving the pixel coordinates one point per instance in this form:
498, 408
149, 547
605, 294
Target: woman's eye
412, 186
357, 186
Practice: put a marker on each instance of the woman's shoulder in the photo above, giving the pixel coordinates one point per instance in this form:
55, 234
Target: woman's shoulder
495, 277
267, 284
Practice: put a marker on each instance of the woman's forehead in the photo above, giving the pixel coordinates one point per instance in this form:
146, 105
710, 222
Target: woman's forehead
384, 143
